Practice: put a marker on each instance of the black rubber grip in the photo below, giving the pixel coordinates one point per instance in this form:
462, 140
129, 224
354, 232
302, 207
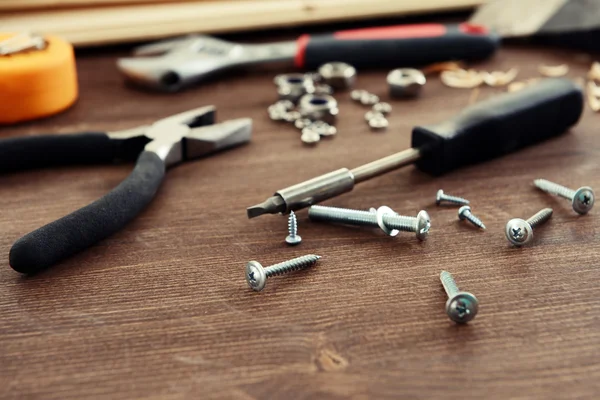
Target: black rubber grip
29, 152
500, 125
70, 234
397, 46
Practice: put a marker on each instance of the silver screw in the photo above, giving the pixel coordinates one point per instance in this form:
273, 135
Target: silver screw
461, 307
256, 274
520, 232
465, 213
384, 218
582, 199
293, 238
441, 197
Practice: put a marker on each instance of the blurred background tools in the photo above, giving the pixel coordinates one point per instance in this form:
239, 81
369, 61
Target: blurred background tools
167, 142
173, 64
85, 22
573, 24
494, 127
37, 76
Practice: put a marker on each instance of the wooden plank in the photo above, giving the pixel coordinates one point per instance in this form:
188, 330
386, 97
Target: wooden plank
93, 26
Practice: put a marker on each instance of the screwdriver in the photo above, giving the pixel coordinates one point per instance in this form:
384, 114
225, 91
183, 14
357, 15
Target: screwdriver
491, 128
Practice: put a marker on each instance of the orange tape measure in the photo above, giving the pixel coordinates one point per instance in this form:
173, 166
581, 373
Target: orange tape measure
37, 77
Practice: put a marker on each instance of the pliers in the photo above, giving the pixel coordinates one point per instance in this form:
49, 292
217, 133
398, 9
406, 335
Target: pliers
166, 142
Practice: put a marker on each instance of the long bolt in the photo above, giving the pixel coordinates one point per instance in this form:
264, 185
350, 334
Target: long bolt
465, 213
293, 238
461, 307
256, 274
384, 218
582, 199
442, 197
520, 232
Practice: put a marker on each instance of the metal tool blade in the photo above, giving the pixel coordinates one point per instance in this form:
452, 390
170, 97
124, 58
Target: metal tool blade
213, 138
174, 64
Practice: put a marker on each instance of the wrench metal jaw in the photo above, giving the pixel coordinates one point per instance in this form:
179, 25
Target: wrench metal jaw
174, 64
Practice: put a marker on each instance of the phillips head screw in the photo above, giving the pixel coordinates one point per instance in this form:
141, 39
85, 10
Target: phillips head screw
582, 199
461, 307
256, 274
384, 218
293, 238
441, 197
520, 232
465, 213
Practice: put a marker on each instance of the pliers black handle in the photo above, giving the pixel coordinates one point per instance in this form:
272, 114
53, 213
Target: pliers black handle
165, 143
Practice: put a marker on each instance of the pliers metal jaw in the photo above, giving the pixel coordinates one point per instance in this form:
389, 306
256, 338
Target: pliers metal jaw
169, 141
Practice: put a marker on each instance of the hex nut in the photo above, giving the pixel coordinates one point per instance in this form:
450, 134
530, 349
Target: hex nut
384, 108
369, 99
291, 116
293, 86
276, 113
338, 75
379, 123
323, 128
405, 82
310, 137
369, 115
319, 108
302, 123
357, 94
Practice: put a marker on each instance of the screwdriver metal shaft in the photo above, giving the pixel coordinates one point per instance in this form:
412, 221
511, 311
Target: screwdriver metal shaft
330, 185
482, 131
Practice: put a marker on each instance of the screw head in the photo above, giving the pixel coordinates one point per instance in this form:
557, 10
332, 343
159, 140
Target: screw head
518, 232
423, 225
256, 276
293, 240
583, 201
462, 307
438, 197
462, 212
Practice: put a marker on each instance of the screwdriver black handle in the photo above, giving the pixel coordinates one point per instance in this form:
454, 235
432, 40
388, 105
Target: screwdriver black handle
397, 46
499, 126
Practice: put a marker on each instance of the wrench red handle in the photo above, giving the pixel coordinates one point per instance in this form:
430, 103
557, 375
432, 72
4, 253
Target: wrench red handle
397, 46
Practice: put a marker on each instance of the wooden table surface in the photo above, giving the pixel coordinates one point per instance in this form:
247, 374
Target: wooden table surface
161, 309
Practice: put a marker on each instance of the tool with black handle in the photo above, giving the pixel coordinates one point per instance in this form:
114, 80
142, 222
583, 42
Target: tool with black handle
174, 64
156, 147
489, 129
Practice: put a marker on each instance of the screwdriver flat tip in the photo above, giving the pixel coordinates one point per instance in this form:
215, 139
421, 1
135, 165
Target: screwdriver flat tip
272, 205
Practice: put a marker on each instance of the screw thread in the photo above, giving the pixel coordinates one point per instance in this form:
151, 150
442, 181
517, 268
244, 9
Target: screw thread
291, 265
361, 218
292, 225
449, 284
554, 188
540, 217
342, 215
474, 220
455, 200
400, 222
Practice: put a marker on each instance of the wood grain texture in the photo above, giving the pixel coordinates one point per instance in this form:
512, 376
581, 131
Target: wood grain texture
135, 22
161, 309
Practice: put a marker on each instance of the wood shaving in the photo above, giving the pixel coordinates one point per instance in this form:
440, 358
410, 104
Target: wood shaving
594, 73
462, 79
592, 96
516, 86
499, 78
443, 66
554, 71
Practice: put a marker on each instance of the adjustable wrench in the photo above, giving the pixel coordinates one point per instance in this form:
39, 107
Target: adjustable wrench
174, 64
